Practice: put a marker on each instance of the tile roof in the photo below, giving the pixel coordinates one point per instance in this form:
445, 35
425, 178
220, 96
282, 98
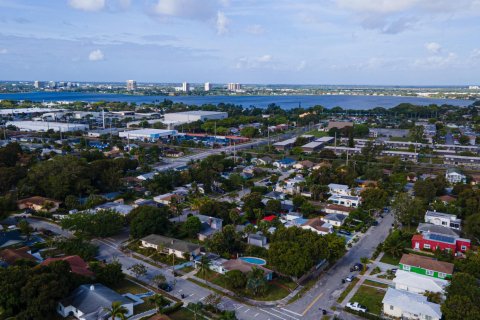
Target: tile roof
11, 256
77, 265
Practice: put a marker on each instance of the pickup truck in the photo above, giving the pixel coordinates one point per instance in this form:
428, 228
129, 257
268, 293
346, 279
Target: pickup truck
356, 307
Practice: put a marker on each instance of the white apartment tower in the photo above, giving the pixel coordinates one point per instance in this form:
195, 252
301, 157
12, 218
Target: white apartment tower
185, 86
208, 86
131, 85
234, 86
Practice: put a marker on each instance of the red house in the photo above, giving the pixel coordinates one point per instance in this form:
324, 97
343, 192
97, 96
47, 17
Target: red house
432, 241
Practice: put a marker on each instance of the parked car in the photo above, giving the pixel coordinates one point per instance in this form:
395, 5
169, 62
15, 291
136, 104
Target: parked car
394, 270
345, 232
350, 278
356, 307
165, 287
375, 223
356, 267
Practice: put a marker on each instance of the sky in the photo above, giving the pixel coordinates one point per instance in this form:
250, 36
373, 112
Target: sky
369, 42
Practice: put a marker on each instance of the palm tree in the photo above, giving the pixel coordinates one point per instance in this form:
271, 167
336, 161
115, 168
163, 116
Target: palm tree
204, 266
117, 310
195, 308
364, 261
228, 315
160, 301
256, 282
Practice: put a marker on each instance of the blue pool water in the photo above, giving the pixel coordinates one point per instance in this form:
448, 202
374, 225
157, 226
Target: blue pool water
253, 260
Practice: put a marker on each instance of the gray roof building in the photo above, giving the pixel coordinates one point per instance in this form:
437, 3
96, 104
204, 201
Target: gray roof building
170, 243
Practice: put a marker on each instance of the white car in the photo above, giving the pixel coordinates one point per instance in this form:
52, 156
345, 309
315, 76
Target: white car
356, 307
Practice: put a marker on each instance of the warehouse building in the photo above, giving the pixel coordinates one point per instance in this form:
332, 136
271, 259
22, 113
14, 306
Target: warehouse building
43, 126
192, 116
148, 134
285, 144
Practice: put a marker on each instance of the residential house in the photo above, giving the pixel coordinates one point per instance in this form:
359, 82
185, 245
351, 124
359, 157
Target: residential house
318, 225
147, 176
77, 265
292, 215
340, 189
290, 186
174, 153
336, 208
443, 219
171, 246
348, 201
433, 241
38, 203
11, 256
117, 206
263, 161
305, 164
284, 163
446, 199
453, 175
245, 267
426, 266
426, 228
210, 226
168, 199
258, 240
10, 238
401, 304
416, 283
275, 195
338, 125
89, 302
335, 219
322, 165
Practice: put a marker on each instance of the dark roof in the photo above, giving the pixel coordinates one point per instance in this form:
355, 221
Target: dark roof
10, 238
92, 299
427, 263
425, 228
171, 243
37, 200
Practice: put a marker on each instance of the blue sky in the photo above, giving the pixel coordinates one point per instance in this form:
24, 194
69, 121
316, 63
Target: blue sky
385, 42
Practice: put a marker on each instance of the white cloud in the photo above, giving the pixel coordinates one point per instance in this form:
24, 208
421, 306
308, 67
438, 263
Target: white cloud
3, 51
87, 5
222, 23
301, 65
254, 63
255, 29
376, 6
475, 54
437, 61
96, 55
187, 9
433, 47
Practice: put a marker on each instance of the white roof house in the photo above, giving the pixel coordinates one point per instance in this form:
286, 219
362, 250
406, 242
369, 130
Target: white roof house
147, 134
347, 201
454, 175
443, 219
417, 283
408, 305
342, 189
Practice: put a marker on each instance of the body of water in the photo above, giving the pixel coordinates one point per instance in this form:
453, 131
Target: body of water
287, 102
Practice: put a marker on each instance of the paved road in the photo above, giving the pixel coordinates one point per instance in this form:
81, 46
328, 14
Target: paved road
326, 291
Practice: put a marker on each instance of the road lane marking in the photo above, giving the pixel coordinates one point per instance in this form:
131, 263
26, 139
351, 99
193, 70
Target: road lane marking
246, 311
297, 314
256, 314
273, 314
285, 314
312, 303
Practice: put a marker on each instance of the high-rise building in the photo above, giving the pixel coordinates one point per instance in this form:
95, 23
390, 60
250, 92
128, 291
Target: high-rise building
234, 86
208, 86
185, 87
131, 85
38, 84
52, 84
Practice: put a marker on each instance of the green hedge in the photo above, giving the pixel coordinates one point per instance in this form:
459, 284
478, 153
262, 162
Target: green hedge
172, 309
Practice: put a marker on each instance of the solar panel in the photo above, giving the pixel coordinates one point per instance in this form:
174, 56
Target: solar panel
438, 237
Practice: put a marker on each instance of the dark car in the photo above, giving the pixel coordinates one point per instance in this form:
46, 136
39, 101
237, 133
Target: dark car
375, 223
165, 287
345, 232
356, 267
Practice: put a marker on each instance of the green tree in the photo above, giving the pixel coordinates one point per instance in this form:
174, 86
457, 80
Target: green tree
192, 226
256, 282
394, 244
196, 308
25, 228
158, 279
103, 223
204, 267
472, 227
159, 301
108, 274
407, 210
213, 300
273, 206
235, 279
146, 220
373, 198
462, 298
117, 310
138, 270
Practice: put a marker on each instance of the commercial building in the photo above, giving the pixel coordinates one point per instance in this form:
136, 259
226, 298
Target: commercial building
208, 86
312, 147
192, 116
285, 144
131, 85
234, 86
185, 86
148, 134
462, 161
38, 84
43, 126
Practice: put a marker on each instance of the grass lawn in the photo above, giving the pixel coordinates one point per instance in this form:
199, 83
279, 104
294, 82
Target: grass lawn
140, 308
187, 269
375, 284
347, 290
370, 298
286, 282
127, 286
389, 259
184, 314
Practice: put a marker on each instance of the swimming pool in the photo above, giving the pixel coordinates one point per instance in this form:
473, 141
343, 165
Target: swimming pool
253, 260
